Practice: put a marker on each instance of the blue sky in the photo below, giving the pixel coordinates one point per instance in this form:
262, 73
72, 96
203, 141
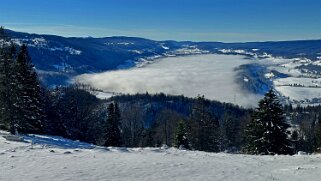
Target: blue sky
197, 20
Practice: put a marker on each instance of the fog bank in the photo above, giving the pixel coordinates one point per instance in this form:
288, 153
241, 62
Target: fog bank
210, 75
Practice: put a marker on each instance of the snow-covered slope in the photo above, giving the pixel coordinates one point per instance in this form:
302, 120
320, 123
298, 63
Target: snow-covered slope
55, 158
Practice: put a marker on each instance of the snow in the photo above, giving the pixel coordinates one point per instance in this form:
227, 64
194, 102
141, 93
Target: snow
164, 47
17, 41
302, 86
58, 161
103, 95
301, 94
56, 142
238, 51
269, 75
73, 51
43, 43
120, 43
39, 41
300, 90
265, 55
190, 50
70, 50
63, 67
302, 81
318, 62
136, 51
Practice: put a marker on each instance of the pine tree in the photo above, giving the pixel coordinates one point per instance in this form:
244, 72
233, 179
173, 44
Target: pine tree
29, 103
53, 104
113, 133
204, 127
229, 134
181, 136
317, 134
267, 131
4, 38
7, 80
299, 144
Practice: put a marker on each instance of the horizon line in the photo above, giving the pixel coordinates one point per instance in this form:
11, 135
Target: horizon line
115, 36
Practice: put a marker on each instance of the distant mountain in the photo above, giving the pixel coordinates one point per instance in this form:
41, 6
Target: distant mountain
59, 58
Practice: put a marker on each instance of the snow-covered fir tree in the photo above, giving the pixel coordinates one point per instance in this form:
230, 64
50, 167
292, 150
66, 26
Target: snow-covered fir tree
204, 127
29, 104
267, 130
7, 80
113, 134
181, 136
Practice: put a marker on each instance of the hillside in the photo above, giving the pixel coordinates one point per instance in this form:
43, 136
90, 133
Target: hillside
291, 67
55, 158
59, 58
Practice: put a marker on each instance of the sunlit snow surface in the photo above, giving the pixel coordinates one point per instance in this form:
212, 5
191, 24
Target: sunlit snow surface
301, 87
55, 158
209, 75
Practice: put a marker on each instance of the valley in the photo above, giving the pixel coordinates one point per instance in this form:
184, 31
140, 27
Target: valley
190, 68
160, 90
210, 75
233, 79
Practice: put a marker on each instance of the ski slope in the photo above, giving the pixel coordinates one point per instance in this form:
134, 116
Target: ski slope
54, 158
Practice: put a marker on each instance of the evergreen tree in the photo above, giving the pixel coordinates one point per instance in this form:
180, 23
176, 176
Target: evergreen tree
267, 131
204, 127
113, 133
147, 138
7, 81
29, 104
311, 136
298, 141
181, 136
53, 124
229, 133
317, 136
132, 125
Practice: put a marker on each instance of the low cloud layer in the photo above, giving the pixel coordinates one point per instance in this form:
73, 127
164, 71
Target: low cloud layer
209, 75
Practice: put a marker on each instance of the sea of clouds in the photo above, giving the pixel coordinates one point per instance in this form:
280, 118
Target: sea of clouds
210, 75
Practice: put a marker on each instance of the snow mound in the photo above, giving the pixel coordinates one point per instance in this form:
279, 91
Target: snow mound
56, 141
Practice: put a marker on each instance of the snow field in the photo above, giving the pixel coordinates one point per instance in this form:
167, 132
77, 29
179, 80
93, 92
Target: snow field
55, 159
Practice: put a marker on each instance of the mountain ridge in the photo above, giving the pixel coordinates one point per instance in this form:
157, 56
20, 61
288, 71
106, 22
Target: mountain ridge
58, 58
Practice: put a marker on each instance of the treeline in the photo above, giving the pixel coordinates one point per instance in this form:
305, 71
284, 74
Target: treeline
143, 120
153, 120
306, 121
